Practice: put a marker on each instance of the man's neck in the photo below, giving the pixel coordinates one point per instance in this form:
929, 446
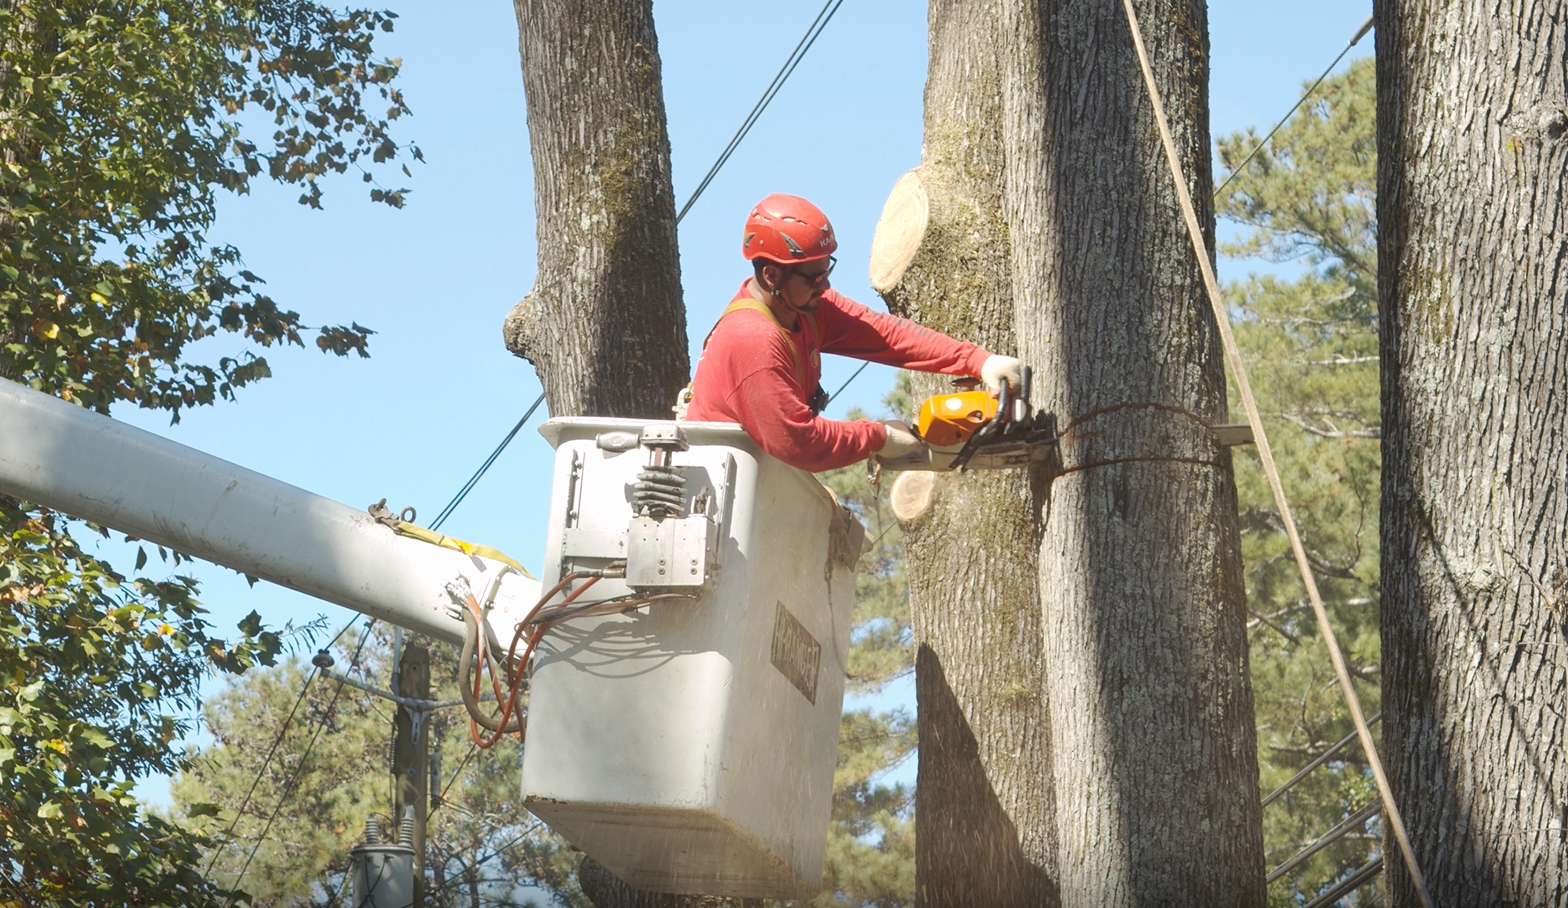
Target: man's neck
788, 319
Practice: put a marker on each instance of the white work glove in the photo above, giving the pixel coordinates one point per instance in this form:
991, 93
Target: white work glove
900, 441
995, 368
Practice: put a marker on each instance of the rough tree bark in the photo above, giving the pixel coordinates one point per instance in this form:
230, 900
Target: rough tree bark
983, 814
604, 324
1145, 646
1473, 155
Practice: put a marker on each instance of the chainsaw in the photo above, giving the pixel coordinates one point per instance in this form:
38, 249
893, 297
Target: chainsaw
972, 430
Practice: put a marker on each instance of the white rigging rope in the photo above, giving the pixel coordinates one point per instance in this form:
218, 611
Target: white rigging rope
1266, 454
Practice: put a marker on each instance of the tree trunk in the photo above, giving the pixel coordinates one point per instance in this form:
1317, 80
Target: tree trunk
1473, 151
983, 805
604, 324
1145, 646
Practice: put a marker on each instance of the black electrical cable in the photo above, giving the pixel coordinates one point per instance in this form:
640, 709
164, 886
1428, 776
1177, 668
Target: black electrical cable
813, 31
223, 842
484, 467
288, 785
1360, 33
441, 799
841, 388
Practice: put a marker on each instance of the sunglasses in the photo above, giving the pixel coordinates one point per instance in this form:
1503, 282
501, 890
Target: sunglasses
818, 279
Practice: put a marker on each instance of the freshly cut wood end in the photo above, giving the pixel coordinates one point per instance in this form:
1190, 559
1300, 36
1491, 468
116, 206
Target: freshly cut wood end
899, 231
912, 495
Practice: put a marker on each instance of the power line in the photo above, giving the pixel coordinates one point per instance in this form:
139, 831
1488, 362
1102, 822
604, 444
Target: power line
813, 31
441, 799
288, 720
834, 396
1360, 33
299, 768
484, 467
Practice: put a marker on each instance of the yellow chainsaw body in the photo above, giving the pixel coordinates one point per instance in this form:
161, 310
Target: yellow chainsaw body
946, 420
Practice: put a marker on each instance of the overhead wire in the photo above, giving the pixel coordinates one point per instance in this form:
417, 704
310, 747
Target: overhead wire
1354, 40
813, 31
841, 388
299, 768
1195, 233
484, 467
272, 748
473, 748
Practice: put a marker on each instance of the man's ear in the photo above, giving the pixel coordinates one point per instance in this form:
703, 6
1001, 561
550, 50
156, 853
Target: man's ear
769, 277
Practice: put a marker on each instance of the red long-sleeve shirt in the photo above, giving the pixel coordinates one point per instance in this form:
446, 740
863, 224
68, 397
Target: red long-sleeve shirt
748, 374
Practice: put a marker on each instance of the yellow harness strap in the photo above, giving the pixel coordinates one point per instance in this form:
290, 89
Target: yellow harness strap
751, 305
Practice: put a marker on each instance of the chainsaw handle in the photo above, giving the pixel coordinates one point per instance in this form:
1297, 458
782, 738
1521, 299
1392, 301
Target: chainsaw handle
1004, 408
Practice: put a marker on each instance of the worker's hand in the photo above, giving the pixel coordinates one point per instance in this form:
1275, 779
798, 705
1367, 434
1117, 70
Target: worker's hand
900, 441
995, 368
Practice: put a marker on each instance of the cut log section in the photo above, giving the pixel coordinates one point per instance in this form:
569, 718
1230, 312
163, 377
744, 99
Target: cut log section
899, 231
912, 496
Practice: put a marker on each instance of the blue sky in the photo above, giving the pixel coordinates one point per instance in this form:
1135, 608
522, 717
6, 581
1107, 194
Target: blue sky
435, 279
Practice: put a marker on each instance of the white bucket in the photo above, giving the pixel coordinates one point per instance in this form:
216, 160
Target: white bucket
689, 746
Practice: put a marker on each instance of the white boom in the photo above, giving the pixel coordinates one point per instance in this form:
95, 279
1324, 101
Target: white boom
91, 467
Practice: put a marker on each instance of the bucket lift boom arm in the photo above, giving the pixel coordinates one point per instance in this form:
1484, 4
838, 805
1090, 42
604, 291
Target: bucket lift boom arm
89, 466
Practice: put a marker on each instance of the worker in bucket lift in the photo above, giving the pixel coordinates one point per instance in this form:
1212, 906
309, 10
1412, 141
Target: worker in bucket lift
761, 365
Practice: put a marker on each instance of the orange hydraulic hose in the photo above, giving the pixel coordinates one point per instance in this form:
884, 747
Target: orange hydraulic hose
520, 673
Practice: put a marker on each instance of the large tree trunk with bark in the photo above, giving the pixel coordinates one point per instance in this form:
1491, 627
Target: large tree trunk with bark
1145, 646
1473, 156
983, 807
604, 324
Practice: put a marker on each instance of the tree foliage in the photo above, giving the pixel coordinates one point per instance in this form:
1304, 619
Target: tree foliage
1311, 343
482, 847
93, 667
120, 126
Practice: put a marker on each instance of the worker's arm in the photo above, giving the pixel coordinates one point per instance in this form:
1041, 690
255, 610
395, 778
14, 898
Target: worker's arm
851, 329
747, 375
767, 407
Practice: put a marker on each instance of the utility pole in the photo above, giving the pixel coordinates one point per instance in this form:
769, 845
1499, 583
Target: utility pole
411, 752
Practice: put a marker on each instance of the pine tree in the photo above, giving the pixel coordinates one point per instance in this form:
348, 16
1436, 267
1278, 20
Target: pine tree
1307, 200
330, 773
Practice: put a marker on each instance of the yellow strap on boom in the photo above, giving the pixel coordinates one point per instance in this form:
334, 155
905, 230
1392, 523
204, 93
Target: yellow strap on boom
404, 528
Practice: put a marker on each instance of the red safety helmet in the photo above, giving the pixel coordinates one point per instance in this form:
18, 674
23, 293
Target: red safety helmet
786, 229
